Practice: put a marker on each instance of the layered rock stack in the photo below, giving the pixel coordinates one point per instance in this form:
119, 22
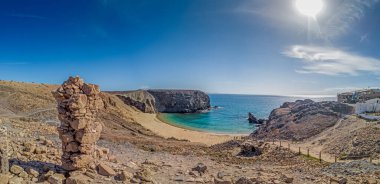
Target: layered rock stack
78, 104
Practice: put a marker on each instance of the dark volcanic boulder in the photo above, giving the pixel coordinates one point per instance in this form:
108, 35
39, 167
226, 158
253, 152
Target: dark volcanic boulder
252, 118
251, 148
302, 119
180, 101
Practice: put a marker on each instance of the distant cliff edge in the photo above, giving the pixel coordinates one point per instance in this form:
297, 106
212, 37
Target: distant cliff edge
166, 101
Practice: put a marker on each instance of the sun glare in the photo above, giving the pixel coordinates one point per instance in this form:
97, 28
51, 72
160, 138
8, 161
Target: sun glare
310, 8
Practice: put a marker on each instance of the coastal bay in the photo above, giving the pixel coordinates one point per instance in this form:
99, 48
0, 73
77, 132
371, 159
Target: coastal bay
161, 128
230, 112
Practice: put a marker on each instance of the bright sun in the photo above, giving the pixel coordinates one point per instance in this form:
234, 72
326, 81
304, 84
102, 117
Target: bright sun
309, 8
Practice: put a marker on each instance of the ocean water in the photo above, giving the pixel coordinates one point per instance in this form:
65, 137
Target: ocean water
231, 116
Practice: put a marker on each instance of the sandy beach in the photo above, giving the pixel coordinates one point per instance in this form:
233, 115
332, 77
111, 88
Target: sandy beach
151, 122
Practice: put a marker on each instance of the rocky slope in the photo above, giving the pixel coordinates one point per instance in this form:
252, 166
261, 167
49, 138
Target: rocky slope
301, 119
166, 101
140, 99
353, 138
136, 155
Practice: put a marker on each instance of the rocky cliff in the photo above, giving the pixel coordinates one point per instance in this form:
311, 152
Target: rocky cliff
140, 99
180, 101
301, 119
166, 101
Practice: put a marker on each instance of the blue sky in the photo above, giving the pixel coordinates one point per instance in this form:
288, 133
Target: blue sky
219, 46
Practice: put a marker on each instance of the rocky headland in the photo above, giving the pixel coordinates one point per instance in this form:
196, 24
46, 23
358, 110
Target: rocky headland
302, 119
166, 101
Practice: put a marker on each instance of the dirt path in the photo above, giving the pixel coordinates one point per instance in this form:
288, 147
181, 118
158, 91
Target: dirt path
317, 144
303, 147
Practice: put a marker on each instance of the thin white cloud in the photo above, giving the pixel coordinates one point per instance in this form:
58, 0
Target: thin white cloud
344, 15
331, 61
363, 38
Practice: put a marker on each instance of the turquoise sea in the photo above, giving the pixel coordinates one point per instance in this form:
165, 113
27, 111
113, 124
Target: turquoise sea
231, 116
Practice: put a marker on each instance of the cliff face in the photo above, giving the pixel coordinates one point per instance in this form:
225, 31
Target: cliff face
166, 101
180, 101
140, 99
302, 119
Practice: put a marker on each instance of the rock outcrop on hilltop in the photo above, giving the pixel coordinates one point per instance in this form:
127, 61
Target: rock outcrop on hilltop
302, 119
78, 104
166, 101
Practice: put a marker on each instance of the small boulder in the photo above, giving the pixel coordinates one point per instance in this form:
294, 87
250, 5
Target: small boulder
371, 181
126, 176
244, 180
144, 174
338, 180
105, 170
288, 179
40, 150
48, 142
41, 138
91, 174
32, 172
78, 179
56, 179
29, 147
250, 148
200, 167
15, 169
343, 181
15, 180
220, 174
23, 174
221, 181
4, 179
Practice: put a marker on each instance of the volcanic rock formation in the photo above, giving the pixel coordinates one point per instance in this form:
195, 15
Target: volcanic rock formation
252, 118
180, 101
78, 104
302, 119
166, 100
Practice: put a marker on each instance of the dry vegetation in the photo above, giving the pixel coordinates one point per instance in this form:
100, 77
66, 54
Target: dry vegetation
28, 112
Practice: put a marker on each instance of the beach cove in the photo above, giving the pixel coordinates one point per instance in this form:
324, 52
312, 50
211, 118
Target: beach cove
166, 130
229, 113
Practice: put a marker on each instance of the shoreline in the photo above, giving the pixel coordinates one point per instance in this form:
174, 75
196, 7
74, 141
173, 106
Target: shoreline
166, 130
163, 120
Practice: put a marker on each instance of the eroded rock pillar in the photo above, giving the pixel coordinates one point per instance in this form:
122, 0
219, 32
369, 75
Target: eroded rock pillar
78, 104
